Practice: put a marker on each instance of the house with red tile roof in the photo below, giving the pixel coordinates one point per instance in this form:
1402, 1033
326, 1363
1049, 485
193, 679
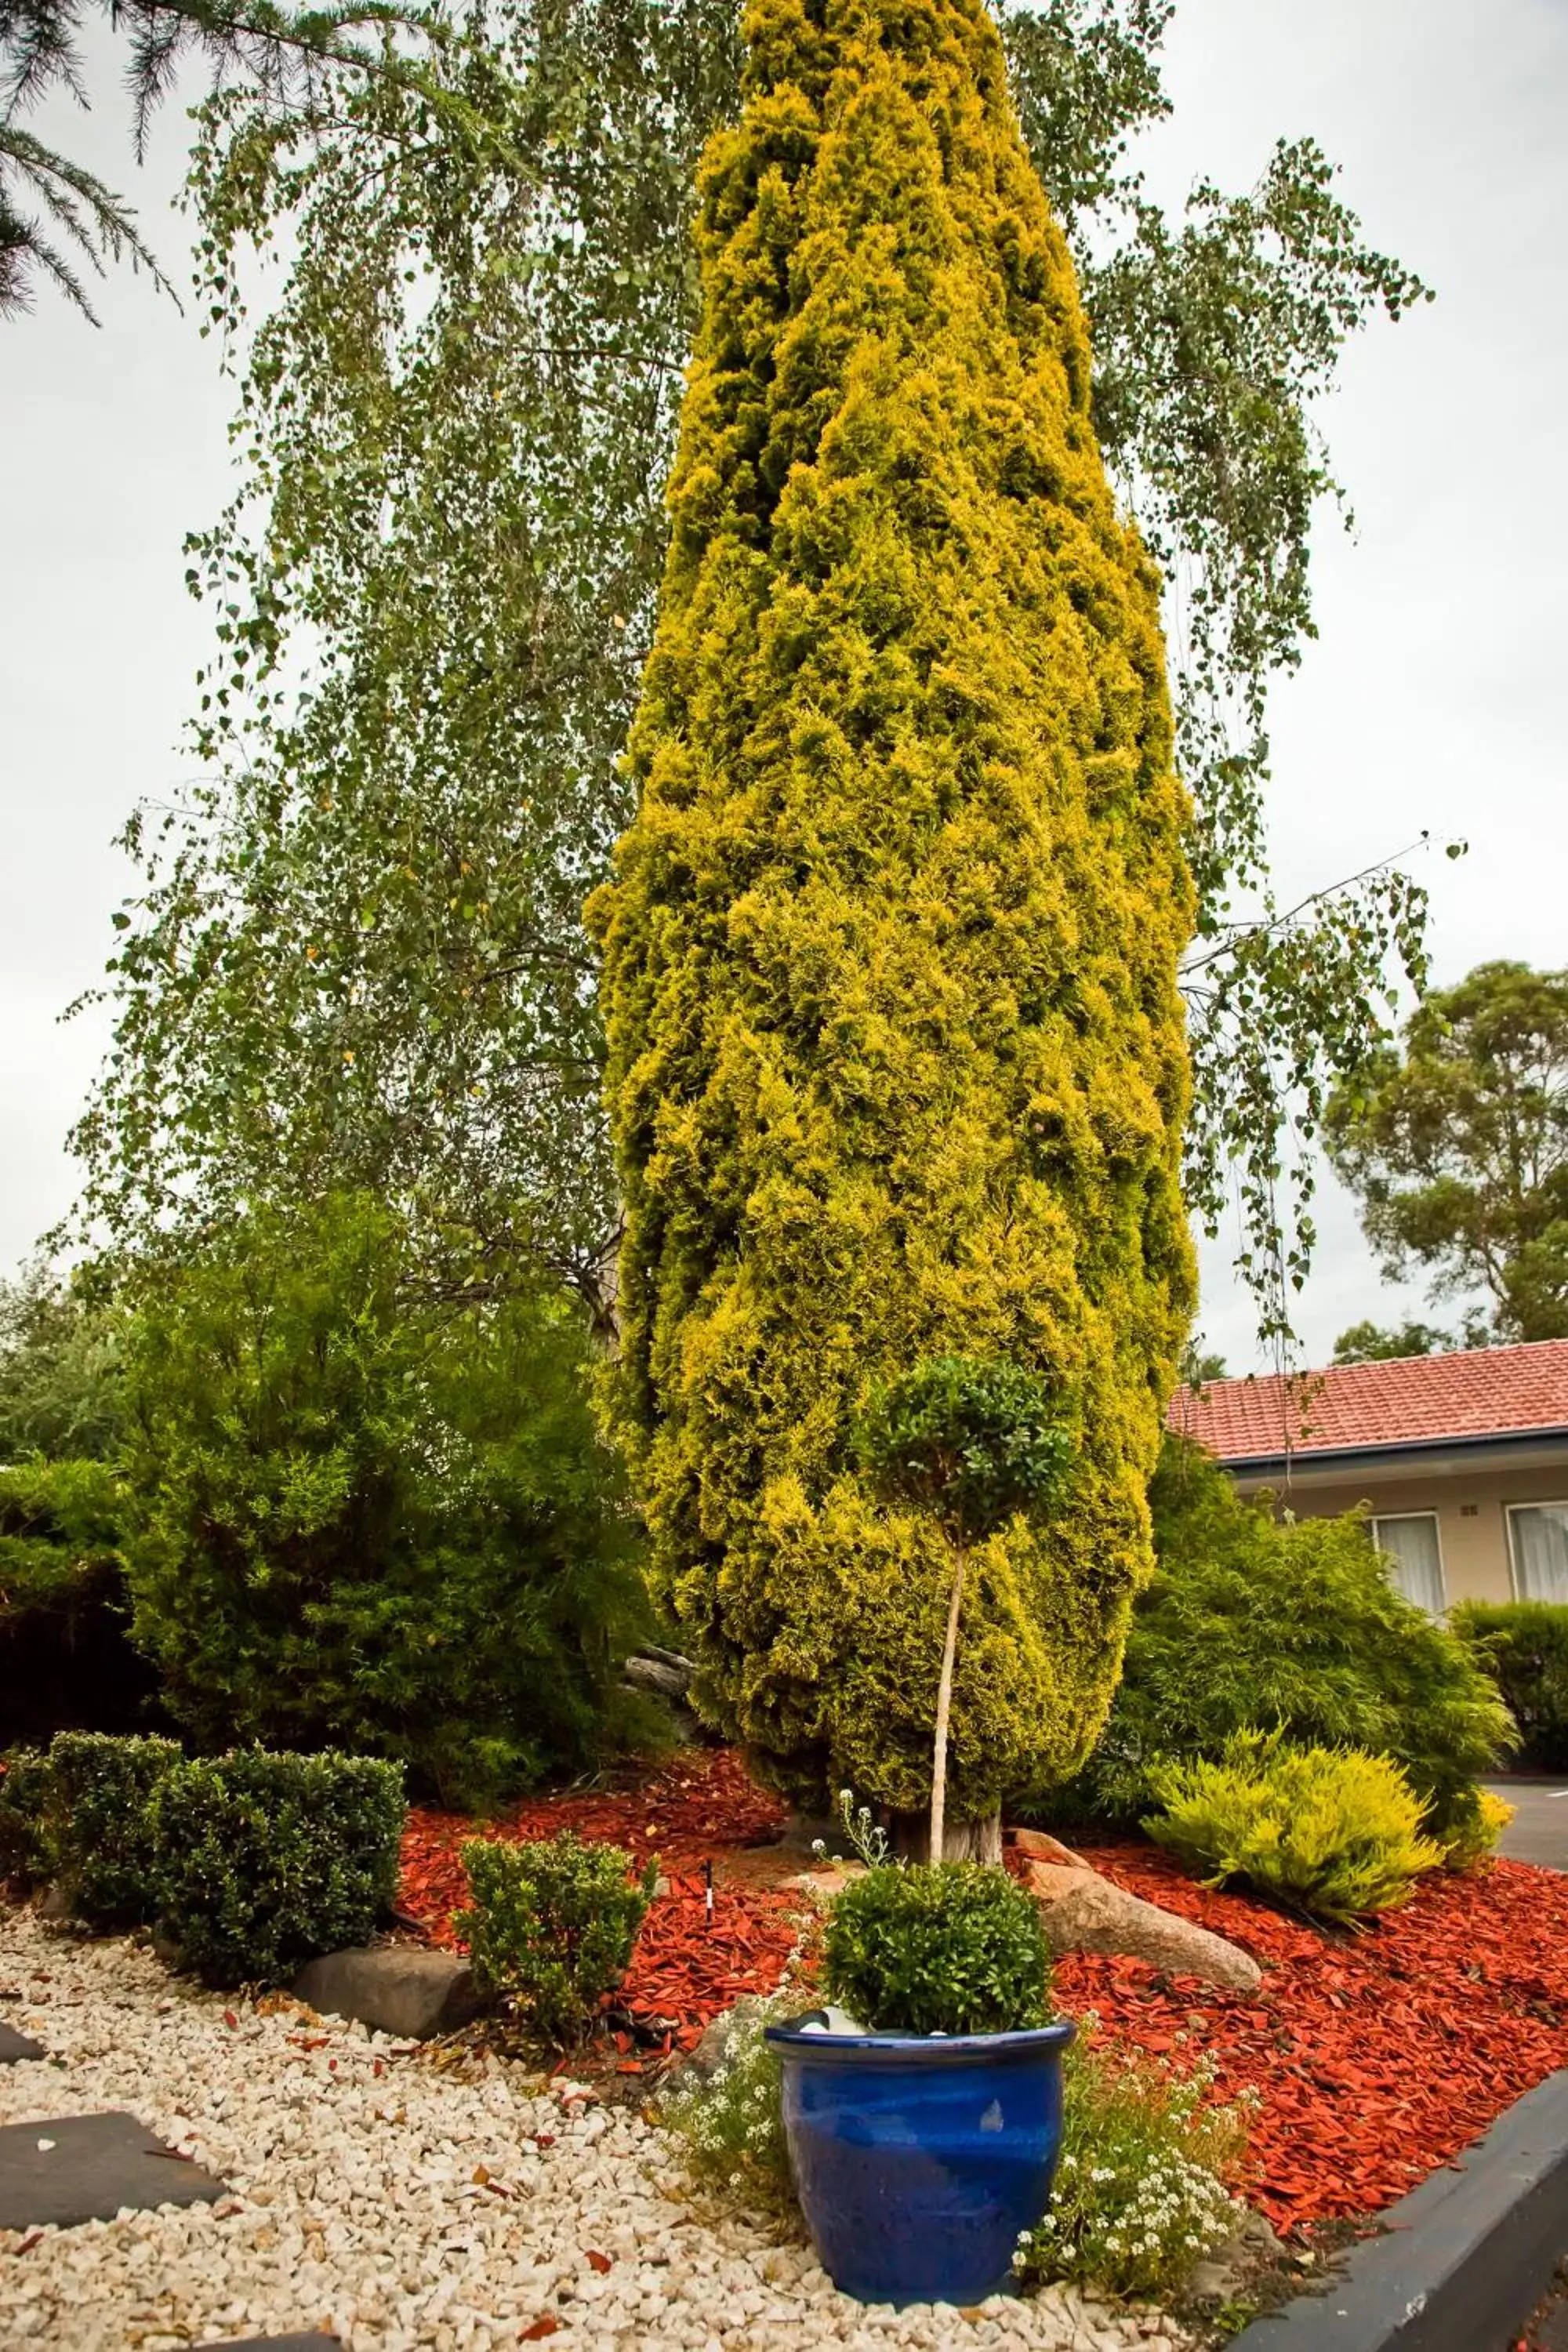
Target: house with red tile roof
1462, 1461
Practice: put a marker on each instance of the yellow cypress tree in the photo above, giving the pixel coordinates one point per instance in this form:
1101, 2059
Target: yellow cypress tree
897, 1065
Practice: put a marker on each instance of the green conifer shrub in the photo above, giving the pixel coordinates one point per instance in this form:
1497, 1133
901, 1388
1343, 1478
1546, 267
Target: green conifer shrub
896, 1058
355, 1519
1255, 1623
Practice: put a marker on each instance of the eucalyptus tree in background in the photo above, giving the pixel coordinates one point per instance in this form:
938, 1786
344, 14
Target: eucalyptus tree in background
354, 954
1456, 1149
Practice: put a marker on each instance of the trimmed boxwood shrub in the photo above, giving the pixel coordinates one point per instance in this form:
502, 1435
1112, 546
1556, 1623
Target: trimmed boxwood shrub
1523, 1646
943, 1948
24, 1785
266, 1861
97, 1827
552, 1925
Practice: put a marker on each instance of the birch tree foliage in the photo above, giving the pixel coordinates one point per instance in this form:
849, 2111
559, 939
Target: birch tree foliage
457, 306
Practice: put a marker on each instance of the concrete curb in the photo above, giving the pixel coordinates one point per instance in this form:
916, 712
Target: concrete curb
1467, 2256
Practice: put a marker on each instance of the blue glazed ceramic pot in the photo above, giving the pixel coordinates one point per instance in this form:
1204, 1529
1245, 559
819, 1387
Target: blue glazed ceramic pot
919, 2158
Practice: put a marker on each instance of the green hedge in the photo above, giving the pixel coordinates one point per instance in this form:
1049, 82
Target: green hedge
1523, 1646
66, 1661
265, 1860
97, 1827
24, 1785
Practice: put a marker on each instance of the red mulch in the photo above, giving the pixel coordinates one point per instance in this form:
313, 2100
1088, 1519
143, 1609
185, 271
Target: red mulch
1378, 2056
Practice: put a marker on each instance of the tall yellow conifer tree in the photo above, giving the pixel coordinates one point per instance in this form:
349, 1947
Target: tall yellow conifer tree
897, 1059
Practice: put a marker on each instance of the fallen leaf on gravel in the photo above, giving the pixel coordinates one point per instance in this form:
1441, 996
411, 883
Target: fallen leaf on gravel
546, 2324
597, 2261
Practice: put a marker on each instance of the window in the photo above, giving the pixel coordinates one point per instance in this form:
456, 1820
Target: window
1538, 1536
1409, 1545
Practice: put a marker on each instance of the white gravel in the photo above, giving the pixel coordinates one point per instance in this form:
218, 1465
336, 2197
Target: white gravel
400, 2207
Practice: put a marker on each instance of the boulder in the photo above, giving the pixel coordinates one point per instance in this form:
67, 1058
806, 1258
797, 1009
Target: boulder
1085, 1913
397, 1987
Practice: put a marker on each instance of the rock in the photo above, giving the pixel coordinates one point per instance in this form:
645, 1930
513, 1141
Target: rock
1085, 1913
1038, 1845
830, 1878
719, 2039
657, 1675
395, 1987
1213, 2283
53, 1906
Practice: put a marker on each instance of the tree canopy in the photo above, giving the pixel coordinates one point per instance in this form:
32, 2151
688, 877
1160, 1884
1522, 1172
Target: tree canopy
896, 1061
354, 955
1456, 1148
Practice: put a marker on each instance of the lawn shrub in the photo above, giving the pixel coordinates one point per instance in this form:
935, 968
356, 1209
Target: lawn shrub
67, 1661
99, 1827
1523, 1646
24, 1785
1254, 1623
552, 1924
941, 1947
1331, 1831
359, 1519
266, 1860
1143, 2188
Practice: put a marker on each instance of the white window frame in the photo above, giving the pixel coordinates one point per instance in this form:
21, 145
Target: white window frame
1385, 1518
1546, 1503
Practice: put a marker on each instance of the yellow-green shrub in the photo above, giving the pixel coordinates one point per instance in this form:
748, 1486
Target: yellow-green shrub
1330, 1830
1467, 1847
897, 1063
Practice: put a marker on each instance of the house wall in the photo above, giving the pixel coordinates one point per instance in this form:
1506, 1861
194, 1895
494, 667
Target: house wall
1470, 1504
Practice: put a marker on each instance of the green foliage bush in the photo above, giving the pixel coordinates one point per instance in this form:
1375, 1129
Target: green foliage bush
1252, 1624
552, 1924
1143, 2188
66, 1661
24, 1788
1331, 1830
943, 1948
1523, 1646
263, 1861
355, 1519
897, 1058
99, 1825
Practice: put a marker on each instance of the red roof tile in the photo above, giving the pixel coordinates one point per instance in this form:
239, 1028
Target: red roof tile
1475, 1392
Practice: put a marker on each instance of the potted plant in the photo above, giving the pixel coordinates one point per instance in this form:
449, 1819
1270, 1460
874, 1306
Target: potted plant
924, 2145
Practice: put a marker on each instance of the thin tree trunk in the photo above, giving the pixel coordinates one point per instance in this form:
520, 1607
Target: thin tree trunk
943, 1708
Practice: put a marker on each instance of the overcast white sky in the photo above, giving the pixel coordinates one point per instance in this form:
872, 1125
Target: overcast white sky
1437, 697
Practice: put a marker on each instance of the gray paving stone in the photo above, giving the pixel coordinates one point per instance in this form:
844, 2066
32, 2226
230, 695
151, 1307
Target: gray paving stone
14, 2045
275, 2343
96, 2165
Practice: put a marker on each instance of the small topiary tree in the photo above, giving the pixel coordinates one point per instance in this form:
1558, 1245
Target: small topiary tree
972, 1446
